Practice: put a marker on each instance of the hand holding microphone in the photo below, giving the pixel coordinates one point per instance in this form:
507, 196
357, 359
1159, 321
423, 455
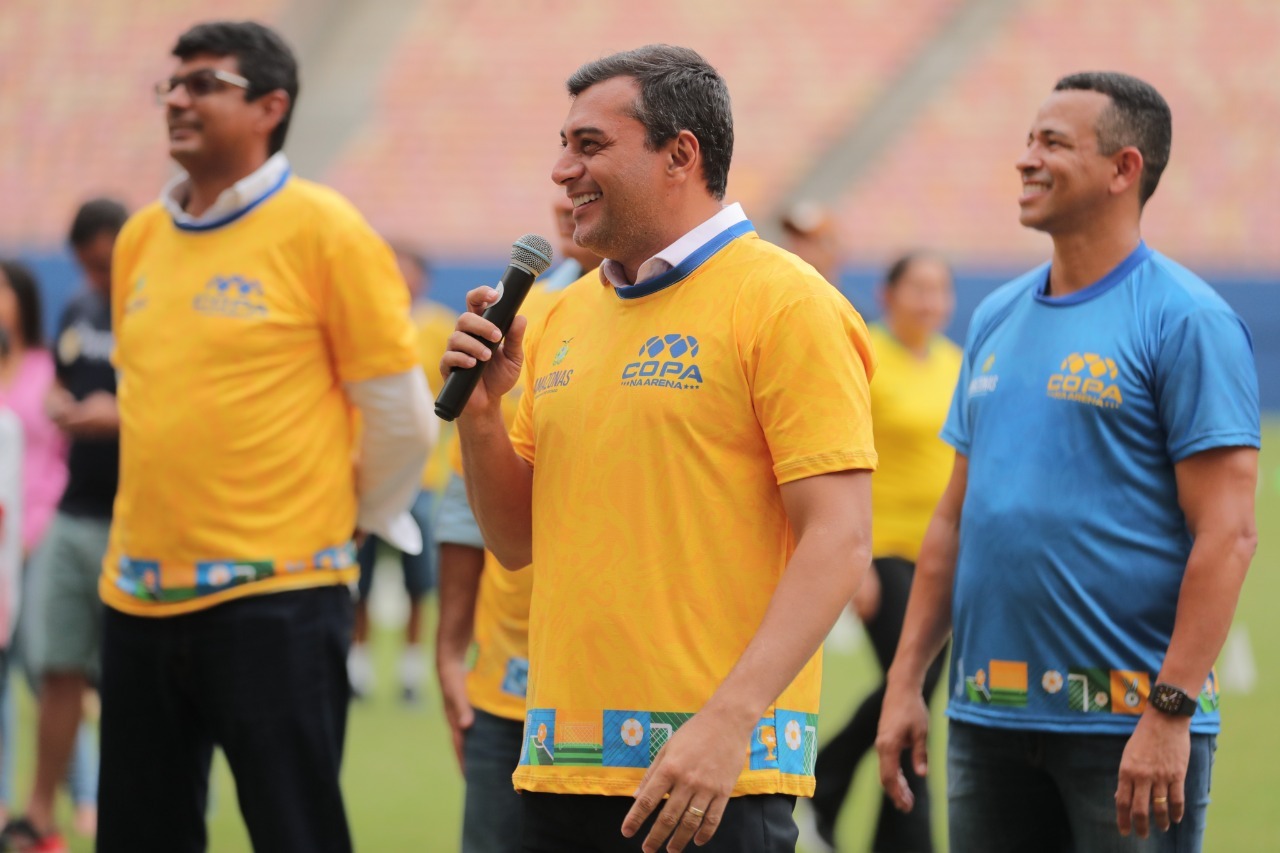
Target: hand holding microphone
475, 342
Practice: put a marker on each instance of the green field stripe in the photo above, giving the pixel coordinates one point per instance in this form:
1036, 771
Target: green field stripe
1012, 698
580, 754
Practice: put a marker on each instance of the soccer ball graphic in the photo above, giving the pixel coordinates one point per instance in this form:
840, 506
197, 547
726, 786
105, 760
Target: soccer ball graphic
632, 732
675, 346
792, 735
1051, 681
1097, 365
219, 575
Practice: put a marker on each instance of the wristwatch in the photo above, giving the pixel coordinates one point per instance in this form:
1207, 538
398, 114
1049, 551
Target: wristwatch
1172, 700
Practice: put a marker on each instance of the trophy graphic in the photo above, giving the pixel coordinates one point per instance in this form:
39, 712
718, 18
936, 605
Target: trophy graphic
768, 738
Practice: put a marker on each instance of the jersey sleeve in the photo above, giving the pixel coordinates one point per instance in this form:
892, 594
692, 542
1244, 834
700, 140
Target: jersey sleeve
366, 310
521, 427
955, 431
810, 368
123, 257
1207, 385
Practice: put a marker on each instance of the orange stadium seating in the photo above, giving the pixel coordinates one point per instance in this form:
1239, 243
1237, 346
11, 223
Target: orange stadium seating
462, 127
466, 126
76, 111
950, 182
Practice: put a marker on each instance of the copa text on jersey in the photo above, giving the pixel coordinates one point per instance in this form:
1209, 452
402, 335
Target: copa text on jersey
662, 374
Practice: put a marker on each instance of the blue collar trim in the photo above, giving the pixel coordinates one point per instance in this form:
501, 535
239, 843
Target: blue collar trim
679, 273
1099, 287
232, 217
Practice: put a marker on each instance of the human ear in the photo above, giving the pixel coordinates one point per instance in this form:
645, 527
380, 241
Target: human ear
685, 154
1127, 164
273, 107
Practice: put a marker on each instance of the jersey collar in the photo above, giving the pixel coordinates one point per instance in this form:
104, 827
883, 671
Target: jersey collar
234, 202
1099, 287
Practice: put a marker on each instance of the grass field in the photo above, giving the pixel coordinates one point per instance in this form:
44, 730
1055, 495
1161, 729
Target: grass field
404, 794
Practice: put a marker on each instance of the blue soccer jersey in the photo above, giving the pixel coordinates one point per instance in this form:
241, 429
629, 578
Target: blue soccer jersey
1072, 412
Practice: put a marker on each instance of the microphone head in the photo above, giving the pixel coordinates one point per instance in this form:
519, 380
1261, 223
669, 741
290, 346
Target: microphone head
531, 253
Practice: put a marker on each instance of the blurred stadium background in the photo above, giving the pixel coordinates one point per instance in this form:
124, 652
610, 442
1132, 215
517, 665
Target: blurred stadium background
440, 120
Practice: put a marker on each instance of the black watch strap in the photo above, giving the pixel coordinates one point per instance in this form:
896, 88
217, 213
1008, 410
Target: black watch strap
1172, 700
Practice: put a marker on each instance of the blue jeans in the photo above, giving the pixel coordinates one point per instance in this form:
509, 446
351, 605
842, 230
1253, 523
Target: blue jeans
491, 820
419, 569
1010, 791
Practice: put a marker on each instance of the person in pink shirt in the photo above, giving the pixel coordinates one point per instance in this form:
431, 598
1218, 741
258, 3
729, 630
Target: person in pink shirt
26, 375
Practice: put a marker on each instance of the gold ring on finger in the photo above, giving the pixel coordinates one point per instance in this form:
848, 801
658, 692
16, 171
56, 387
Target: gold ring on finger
1159, 801
696, 812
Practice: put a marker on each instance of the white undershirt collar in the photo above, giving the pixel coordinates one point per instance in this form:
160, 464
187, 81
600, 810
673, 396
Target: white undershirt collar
671, 257
230, 201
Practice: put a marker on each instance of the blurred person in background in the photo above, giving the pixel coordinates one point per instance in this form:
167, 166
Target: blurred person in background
481, 601
1089, 550
253, 311
27, 373
64, 613
910, 396
809, 230
434, 323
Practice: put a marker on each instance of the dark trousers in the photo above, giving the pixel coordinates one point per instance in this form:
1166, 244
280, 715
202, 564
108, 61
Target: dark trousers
1044, 792
583, 823
838, 759
491, 817
262, 677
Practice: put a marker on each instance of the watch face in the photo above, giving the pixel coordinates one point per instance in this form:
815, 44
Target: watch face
1171, 700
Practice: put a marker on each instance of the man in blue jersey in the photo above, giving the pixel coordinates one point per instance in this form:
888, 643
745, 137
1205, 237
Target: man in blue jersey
1091, 545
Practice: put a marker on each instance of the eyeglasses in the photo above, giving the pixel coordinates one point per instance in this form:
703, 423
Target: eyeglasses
203, 81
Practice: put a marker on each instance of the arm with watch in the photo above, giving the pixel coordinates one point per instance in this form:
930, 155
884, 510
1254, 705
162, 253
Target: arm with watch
1216, 492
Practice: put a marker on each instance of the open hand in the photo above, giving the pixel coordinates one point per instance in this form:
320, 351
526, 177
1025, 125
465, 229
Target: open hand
904, 724
696, 771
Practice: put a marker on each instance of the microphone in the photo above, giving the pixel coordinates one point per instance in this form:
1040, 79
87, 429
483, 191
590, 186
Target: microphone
530, 257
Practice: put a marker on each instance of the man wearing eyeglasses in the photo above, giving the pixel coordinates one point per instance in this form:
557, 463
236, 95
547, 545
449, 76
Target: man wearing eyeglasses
252, 311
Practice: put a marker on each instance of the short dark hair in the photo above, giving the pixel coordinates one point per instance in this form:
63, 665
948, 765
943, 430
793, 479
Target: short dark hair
97, 216
23, 284
679, 91
264, 58
1138, 116
902, 265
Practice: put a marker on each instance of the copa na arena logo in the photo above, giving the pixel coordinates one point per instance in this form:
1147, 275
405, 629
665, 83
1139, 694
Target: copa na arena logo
231, 296
666, 361
1086, 378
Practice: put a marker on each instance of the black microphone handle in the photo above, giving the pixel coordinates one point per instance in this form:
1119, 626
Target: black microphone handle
457, 389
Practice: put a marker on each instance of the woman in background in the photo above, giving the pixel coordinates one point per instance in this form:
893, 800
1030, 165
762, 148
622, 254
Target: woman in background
26, 377
910, 397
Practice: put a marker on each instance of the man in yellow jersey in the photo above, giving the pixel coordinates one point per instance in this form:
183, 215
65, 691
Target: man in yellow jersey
689, 470
482, 602
917, 371
433, 323
252, 311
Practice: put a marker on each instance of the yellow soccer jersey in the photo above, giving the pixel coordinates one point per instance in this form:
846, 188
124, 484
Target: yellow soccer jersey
909, 403
660, 427
434, 323
498, 678
232, 344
